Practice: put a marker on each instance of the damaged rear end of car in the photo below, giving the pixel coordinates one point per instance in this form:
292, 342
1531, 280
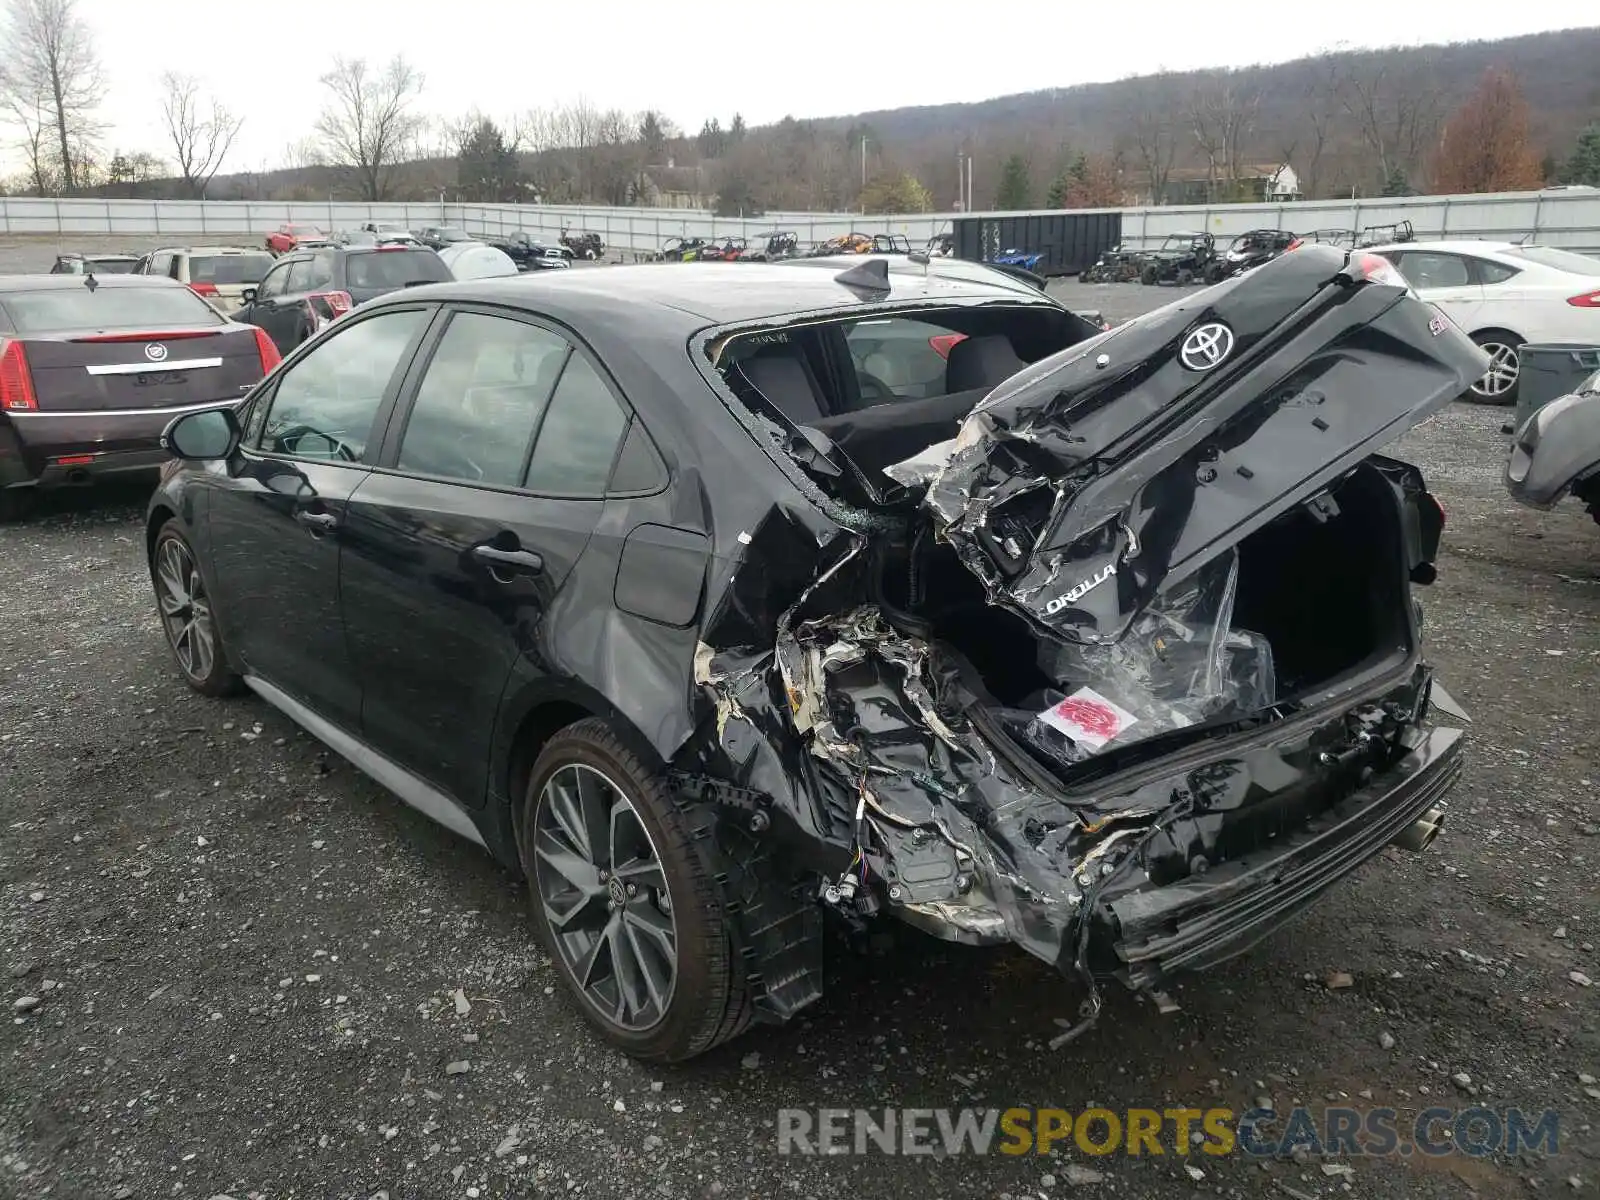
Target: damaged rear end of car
1112, 654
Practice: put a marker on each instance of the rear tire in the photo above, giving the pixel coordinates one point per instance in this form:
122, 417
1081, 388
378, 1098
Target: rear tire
1148, 277
1185, 277
610, 928
1500, 382
184, 605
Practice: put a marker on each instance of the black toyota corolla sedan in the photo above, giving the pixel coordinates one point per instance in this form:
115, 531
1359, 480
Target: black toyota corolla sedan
713, 603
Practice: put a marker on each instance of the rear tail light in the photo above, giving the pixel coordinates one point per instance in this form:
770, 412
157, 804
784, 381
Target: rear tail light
165, 335
941, 342
204, 289
16, 380
1374, 268
1587, 300
267, 349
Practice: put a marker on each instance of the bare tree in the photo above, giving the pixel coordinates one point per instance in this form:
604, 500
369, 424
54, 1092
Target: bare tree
1152, 133
369, 125
303, 154
1207, 136
33, 123
1397, 112
1222, 114
1304, 140
50, 77
201, 130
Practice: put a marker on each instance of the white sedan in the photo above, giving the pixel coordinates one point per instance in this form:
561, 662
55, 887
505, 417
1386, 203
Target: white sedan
1504, 295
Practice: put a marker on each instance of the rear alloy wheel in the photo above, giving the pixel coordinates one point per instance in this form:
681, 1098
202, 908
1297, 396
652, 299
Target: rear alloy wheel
187, 617
1498, 385
625, 901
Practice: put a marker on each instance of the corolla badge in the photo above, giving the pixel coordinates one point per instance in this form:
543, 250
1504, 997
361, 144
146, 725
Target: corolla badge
155, 352
1069, 598
1206, 346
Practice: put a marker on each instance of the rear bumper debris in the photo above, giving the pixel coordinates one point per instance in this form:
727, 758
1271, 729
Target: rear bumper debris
1207, 919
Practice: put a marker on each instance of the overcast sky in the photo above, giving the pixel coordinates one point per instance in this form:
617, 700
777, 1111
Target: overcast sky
694, 58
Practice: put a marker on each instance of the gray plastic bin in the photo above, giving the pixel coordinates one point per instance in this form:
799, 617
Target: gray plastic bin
1550, 371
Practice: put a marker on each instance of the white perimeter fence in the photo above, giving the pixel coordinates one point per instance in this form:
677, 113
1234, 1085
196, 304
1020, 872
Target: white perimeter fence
1568, 218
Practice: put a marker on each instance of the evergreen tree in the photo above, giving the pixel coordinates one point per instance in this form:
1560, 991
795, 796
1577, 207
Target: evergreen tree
1015, 190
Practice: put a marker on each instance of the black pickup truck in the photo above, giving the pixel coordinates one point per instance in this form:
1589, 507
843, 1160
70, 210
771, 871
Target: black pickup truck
529, 253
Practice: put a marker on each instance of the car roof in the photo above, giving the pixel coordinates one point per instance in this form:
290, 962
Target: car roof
715, 294
196, 250
95, 254
40, 283
1454, 246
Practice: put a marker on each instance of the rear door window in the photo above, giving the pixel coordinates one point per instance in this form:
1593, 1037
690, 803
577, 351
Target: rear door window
481, 399
393, 269
1489, 271
324, 404
229, 269
1428, 269
578, 440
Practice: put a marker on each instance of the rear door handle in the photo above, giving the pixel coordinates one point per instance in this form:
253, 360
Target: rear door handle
317, 522
525, 562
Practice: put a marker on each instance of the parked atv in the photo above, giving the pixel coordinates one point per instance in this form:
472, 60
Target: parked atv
1386, 235
772, 247
845, 243
1181, 259
583, 245
1027, 260
1345, 239
1249, 250
1116, 265
726, 250
681, 249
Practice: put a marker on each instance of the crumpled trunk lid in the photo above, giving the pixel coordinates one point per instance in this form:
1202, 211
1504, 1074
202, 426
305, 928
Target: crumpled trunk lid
1092, 480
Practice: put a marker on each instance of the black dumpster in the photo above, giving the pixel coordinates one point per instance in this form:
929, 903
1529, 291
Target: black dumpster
1549, 371
1069, 241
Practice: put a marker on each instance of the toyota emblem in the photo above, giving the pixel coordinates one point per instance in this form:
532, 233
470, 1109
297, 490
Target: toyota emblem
1206, 346
155, 352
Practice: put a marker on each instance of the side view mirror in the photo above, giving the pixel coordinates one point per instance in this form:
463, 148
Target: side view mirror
248, 295
204, 436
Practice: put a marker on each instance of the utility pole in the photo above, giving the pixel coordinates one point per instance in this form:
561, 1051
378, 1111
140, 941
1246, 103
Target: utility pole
863, 160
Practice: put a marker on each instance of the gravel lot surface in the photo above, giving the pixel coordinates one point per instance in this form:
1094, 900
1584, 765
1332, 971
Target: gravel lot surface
244, 957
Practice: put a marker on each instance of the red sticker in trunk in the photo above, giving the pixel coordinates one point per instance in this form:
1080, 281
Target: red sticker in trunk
1088, 718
